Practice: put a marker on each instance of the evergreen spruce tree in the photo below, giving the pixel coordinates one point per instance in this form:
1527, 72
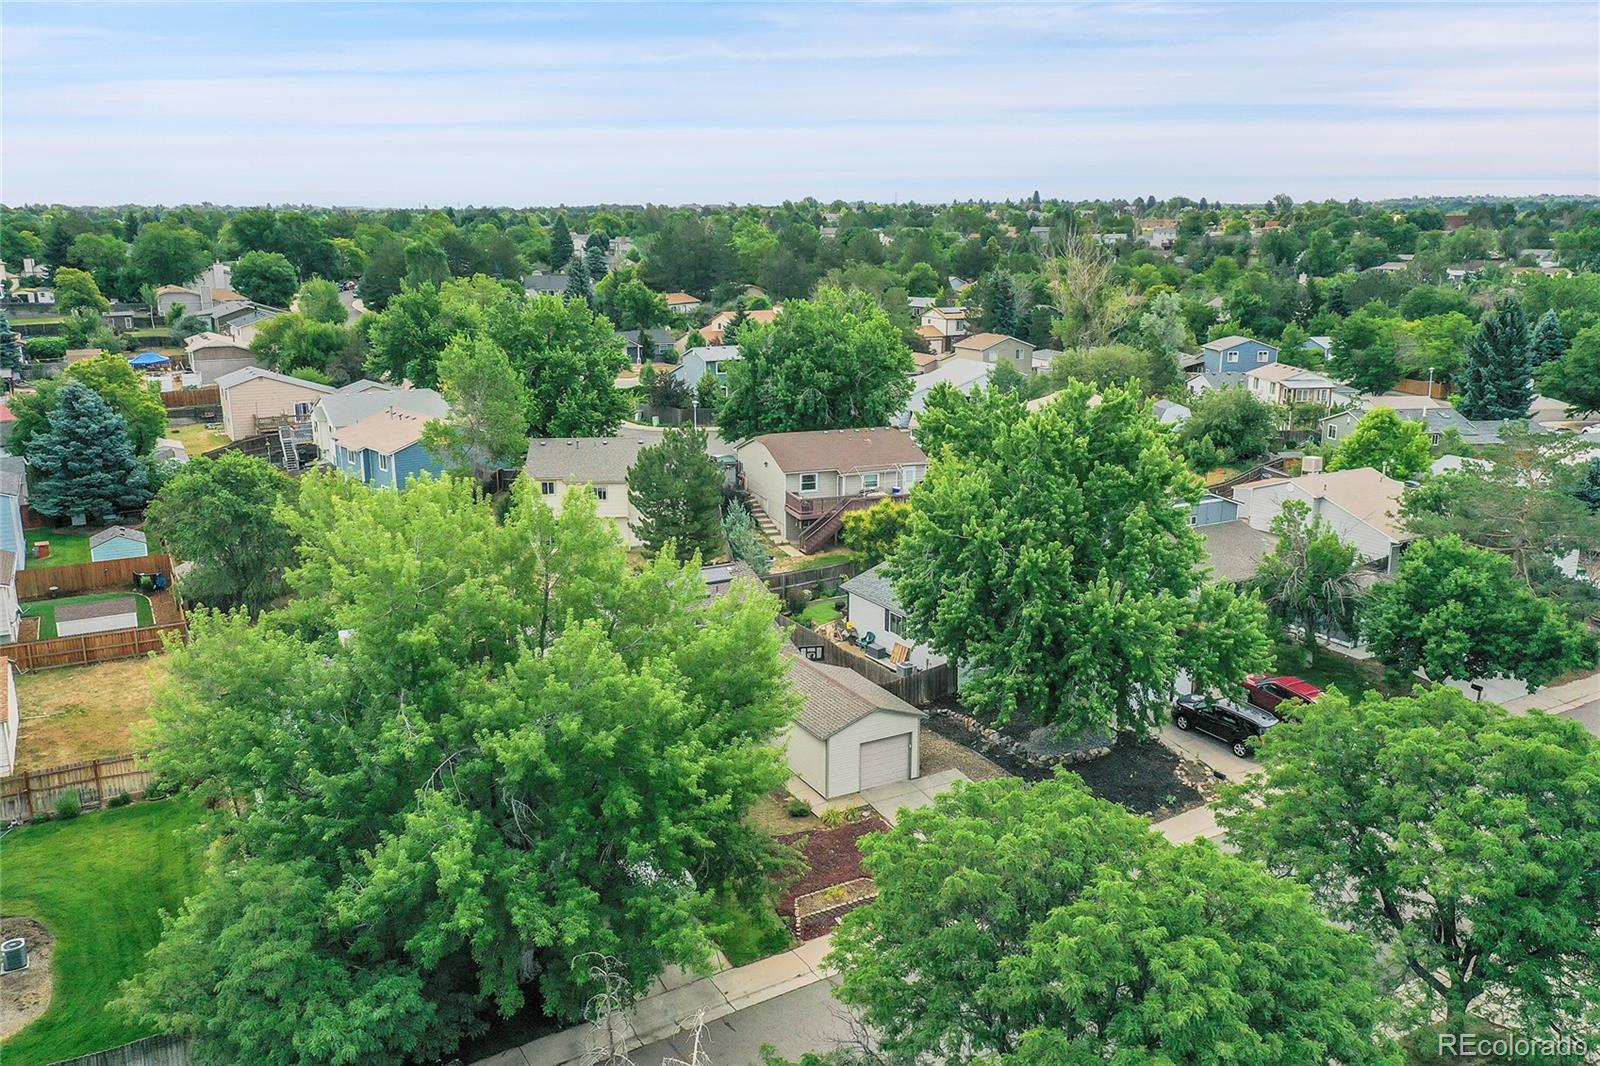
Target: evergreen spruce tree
1000, 304
578, 284
560, 243
677, 489
594, 258
1497, 376
730, 332
1548, 344
84, 463
1589, 489
10, 345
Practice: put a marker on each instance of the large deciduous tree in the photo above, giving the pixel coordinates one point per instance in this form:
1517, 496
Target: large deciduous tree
267, 277
833, 362
1496, 372
77, 290
1027, 925
1239, 426
1575, 377
485, 429
873, 532
467, 753
319, 301
83, 463
1462, 837
1049, 553
1387, 443
1310, 579
166, 253
677, 489
129, 393
222, 516
1459, 611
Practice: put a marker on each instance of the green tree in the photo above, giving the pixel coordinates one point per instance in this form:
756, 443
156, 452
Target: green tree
1457, 611
319, 301
833, 362
578, 285
874, 532
486, 429
1240, 426
922, 280
1547, 343
515, 750
267, 277
1384, 441
677, 489
1366, 351
1310, 580
560, 243
1588, 490
594, 258
998, 301
221, 516
1047, 551
1459, 836
166, 253
426, 264
127, 391
1036, 925
382, 280
1575, 377
77, 289
407, 338
569, 358
11, 357
740, 528
291, 342
83, 463
1496, 372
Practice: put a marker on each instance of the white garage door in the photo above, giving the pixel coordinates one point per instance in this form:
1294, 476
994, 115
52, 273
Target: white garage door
887, 760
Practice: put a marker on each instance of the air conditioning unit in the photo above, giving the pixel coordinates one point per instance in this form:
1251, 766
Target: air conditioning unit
1311, 464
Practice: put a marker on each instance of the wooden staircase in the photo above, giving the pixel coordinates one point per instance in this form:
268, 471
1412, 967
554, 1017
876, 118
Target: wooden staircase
825, 528
764, 522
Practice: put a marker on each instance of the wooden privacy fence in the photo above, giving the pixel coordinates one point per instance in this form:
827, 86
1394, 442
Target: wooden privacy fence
784, 583
93, 647
151, 1051
200, 396
37, 583
31, 792
918, 688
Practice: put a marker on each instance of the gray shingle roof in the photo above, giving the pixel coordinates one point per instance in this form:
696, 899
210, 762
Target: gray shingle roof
1235, 550
77, 612
837, 697
587, 460
874, 586
116, 532
345, 408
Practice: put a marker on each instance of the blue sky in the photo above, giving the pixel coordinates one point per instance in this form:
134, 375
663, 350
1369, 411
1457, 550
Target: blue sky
386, 104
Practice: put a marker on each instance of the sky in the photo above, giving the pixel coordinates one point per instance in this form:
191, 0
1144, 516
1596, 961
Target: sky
431, 104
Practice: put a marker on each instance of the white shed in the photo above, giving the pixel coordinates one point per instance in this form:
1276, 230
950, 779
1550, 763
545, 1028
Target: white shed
97, 616
851, 734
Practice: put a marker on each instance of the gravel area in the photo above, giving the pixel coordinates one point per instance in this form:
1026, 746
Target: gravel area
942, 753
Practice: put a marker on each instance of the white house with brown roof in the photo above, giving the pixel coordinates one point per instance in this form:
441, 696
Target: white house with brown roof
850, 735
254, 395
1362, 506
212, 354
682, 302
996, 348
804, 482
1284, 383
951, 322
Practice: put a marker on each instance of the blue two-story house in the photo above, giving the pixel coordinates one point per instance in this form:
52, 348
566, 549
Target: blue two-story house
384, 450
1226, 360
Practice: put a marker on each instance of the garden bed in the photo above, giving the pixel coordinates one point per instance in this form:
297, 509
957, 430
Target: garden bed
832, 859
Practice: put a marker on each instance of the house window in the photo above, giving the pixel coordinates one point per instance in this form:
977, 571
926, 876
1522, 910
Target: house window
302, 410
547, 488
869, 482
893, 621
383, 462
1333, 432
599, 493
1261, 357
808, 483
1233, 357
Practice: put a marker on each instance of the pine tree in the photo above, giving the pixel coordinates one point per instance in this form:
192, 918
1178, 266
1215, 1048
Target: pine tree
677, 490
84, 463
1589, 490
1000, 304
560, 243
10, 346
578, 282
1497, 377
594, 258
730, 332
1548, 343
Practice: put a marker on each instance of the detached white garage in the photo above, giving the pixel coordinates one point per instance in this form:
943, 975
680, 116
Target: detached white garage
851, 735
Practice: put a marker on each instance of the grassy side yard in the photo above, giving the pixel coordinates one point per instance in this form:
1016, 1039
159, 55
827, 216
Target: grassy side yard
45, 610
99, 883
77, 713
196, 438
820, 612
785, 563
1329, 669
747, 934
65, 548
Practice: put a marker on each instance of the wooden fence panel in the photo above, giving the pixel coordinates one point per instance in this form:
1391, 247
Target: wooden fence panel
22, 795
925, 686
792, 580
151, 1051
93, 647
202, 396
37, 582
919, 688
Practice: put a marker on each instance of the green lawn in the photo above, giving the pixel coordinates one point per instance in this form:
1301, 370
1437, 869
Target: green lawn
65, 548
819, 612
45, 610
99, 883
1329, 669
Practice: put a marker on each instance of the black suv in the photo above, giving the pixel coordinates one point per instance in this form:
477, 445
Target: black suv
1232, 723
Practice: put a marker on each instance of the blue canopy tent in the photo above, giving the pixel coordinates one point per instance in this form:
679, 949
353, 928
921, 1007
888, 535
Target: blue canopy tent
149, 359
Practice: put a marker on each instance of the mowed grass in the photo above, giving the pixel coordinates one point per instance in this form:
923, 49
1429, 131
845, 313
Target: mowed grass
65, 548
45, 610
77, 713
1330, 669
99, 883
784, 563
819, 612
196, 438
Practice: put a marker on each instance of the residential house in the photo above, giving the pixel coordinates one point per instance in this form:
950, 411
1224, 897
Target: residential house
10, 604
1323, 345
719, 577
8, 715
956, 283
38, 296
213, 354
1362, 506
545, 284
1438, 416
921, 304
682, 303
1160, 233
996, 348
715, 331
804, 482
661, 340
941, 326
8, 422
851, 735
385, 450
874, 612
118, 542
1234, 548
712, 360
1225, 361
238, 313
363, 398
1283, 383
13, 501
965, 375
255, 400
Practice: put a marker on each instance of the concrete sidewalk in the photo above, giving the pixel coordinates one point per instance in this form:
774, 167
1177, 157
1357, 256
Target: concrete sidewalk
678, 1000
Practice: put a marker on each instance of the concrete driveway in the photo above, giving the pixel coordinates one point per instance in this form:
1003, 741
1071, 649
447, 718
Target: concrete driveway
1209, 750
890, 800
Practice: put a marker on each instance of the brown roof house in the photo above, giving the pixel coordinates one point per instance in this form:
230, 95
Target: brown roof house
851, 735
803, 483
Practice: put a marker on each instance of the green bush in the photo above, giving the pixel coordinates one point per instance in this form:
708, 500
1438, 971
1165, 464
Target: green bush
68, 806
798, 808
121, 799
48, 349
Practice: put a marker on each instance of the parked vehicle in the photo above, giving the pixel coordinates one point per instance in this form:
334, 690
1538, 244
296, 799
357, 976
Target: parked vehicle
1232, 723
1280, 693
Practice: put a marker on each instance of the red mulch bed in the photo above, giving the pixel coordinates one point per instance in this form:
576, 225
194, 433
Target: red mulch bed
832, 857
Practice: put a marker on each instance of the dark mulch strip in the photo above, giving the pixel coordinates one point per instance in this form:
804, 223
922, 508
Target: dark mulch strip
832, 857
